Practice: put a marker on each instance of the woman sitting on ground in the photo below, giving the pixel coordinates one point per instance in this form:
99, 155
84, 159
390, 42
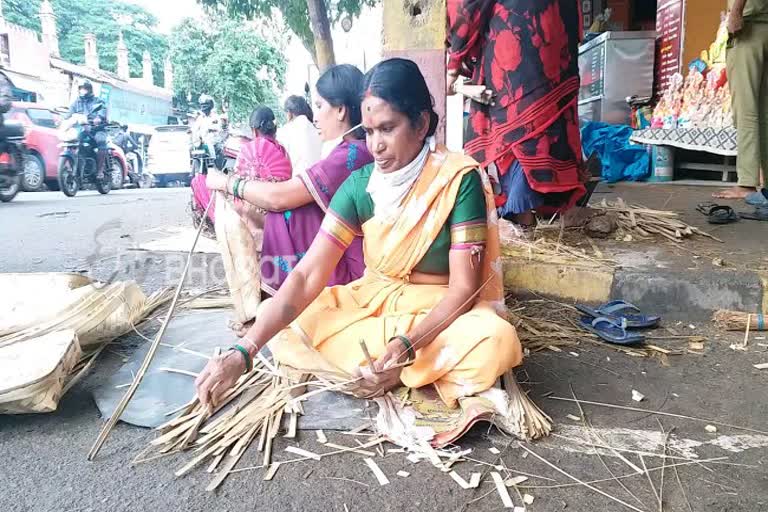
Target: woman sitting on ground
296, 207
432, 292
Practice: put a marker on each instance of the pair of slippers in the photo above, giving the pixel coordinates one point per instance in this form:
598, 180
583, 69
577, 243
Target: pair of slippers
719, 214
612, 321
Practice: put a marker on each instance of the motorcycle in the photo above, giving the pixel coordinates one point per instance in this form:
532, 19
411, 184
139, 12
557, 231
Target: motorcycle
77, 161
11, 159
127, 165
136, 170
201, 161
231, 149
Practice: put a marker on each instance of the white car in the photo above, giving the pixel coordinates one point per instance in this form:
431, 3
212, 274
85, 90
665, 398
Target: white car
168, 160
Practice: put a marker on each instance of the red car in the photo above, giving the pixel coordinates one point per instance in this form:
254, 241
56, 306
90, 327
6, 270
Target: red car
42, 142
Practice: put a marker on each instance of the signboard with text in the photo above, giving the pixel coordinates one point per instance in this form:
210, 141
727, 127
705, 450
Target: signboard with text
669, 41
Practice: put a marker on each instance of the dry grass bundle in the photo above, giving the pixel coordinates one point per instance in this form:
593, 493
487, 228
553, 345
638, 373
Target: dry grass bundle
738, 320
646, 222
547, 324
540, 246
531, 421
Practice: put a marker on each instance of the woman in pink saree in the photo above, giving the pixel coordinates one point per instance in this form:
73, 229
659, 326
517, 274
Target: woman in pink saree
296, 207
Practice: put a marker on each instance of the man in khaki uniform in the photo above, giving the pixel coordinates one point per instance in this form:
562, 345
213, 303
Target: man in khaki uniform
747, 61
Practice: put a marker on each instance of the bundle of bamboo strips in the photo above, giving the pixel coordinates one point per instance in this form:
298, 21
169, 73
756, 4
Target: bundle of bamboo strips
738, 320
263, 396
646, 222
527, 420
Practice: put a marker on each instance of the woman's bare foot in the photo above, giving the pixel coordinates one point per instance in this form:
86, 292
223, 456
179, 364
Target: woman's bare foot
241, 329
734, 193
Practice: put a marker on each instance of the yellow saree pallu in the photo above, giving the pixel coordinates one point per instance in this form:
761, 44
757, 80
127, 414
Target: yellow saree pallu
467, 356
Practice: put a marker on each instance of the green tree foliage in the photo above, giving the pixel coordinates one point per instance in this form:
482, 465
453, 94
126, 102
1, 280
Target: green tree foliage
105, 19
294, 12
229, 61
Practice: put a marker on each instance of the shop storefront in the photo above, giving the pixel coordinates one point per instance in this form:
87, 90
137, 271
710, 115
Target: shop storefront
689, 109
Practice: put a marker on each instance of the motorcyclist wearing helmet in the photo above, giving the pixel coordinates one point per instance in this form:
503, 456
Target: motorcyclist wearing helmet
95, 110
206, 126
125, 141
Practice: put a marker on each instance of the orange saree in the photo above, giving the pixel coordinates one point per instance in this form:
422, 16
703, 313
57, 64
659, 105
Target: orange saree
468, 355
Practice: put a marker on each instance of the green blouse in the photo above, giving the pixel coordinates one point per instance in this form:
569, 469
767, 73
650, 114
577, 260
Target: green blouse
465, 228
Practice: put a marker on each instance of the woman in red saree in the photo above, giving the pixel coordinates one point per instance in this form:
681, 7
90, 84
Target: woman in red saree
526, 53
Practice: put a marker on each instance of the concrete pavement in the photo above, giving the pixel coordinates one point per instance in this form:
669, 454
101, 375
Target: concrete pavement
685, 281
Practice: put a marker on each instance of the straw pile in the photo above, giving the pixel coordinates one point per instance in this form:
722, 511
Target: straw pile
645, 222
544, 324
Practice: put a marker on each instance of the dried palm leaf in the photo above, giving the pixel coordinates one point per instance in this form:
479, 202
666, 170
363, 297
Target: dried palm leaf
35, 371
239, 252
29, 298
96, 314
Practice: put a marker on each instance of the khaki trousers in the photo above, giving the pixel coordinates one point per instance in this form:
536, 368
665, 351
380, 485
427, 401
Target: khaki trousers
747, 61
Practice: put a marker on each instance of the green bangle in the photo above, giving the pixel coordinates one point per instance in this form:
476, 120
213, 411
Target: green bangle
408, 345
241, 190
236, 187
246, 355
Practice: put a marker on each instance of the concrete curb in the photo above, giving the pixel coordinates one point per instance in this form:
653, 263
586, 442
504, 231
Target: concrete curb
681, 294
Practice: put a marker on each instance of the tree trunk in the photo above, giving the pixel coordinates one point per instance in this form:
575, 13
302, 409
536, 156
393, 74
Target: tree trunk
321, 28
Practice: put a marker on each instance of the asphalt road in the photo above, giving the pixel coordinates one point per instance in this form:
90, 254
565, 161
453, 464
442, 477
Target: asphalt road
44, 465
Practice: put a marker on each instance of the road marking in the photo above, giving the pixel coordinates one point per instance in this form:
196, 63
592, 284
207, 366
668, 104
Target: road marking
578, 439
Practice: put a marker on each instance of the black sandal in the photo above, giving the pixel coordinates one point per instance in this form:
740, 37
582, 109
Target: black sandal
706, 208
722, 215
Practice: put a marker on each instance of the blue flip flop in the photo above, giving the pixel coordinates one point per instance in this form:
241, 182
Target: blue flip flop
617, 310
611, 331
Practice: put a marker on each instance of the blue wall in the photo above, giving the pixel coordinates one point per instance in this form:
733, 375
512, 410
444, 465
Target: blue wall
133, 108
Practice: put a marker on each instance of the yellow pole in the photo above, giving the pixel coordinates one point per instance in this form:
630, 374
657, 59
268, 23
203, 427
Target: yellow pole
415, 30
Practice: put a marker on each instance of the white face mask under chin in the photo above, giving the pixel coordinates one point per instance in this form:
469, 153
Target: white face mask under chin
388, 190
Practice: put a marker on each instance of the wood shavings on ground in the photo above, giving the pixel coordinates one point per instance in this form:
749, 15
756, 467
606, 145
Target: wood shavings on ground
501, 488
377, 472
459, 480
303, 453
